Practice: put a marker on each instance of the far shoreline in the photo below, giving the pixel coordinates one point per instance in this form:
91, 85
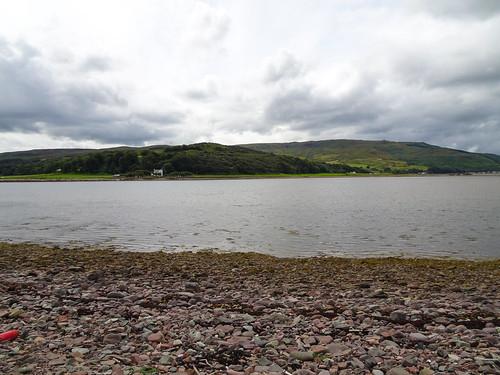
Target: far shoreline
90, 178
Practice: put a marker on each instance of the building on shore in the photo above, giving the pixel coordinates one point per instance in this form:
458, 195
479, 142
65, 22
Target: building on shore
157, 172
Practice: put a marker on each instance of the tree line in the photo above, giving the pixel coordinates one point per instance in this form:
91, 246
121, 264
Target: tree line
204, 158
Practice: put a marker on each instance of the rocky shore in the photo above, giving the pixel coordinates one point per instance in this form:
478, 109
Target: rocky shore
106, 312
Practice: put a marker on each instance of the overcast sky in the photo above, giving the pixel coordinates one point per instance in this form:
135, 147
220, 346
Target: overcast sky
103, 73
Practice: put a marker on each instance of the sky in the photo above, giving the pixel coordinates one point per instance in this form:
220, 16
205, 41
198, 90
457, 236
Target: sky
105, 73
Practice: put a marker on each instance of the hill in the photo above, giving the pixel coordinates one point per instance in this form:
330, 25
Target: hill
202, 158
385, 156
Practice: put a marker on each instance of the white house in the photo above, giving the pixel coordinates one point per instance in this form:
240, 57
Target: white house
157, 172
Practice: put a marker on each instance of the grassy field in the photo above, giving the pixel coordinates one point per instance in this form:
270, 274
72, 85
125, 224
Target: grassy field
98, 177
58, 177
380, 155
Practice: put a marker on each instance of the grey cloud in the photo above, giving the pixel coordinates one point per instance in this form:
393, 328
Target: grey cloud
305, 109
33, 100
209, 25
197, 94
457, 112
96, 64
114, 131
204, 92
217, 29
440, 116
285, 66
481, 9
463, 68
167, 118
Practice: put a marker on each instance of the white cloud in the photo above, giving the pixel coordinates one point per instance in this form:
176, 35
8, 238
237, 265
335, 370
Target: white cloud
182, 71
461, 8
284, 66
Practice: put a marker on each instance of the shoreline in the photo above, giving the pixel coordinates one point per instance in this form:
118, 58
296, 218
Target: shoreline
235, 177
205, 178
118, 249
105, 311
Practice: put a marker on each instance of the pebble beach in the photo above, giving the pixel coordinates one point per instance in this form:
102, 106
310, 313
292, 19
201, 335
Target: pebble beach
93, 311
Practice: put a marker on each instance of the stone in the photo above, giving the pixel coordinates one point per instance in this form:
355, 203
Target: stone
155, 337
379, 293
357, 363
398, 371
140, 359
442, 353
340, 324
15, 313
116, 295
426, 371
224, 328
324, 340
261, 369
303, 372
250, 319
165, 359
58, 361
95, 275
398, 316
337, 349
79, 350
112, 338
60, 292
319, 349
376, 352
276, 368
192, 286
417, 337
302, 356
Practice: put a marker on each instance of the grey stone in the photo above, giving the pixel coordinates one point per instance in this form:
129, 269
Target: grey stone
303, 356
418, 337
398, 371
117, 295
398, 316
80, 350
112, 338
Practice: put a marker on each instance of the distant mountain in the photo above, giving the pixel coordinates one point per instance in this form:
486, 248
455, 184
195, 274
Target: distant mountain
211, 158
385, 155
202, 158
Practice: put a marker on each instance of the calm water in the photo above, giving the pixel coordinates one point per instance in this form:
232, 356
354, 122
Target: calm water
423, 216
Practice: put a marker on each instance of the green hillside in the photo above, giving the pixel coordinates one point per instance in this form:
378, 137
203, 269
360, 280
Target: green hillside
385, 155
334, 156
202, 158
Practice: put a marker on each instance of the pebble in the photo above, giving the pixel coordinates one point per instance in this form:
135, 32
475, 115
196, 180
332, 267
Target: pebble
417, 337
80, 350
302, 356
117, 295
112, 338
155, 337
131, 313
426, 371
398, 316
398, 371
